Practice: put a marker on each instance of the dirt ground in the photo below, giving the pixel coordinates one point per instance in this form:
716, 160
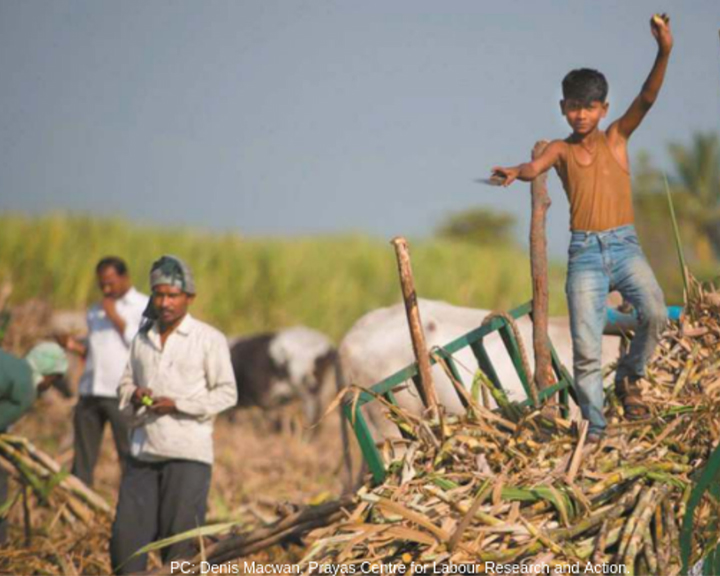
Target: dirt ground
257, 468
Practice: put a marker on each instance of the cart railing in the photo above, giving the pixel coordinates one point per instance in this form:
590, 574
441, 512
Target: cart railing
615, 323
475, 340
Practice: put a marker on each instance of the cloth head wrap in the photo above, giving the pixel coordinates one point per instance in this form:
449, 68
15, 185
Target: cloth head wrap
172, 271
47, 358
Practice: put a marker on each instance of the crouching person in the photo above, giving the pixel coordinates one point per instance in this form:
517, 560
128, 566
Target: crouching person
21, 381
178, 377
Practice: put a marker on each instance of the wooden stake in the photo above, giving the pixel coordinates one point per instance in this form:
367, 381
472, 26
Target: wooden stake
577, 455
417, 335
539, 269
5, 292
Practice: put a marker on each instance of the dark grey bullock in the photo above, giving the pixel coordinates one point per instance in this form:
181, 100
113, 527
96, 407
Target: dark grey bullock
275, 368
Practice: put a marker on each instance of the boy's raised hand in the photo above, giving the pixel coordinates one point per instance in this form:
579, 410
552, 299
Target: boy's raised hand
628, 122
660, 28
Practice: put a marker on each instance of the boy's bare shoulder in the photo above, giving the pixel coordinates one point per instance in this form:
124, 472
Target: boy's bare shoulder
612, 133
559, 149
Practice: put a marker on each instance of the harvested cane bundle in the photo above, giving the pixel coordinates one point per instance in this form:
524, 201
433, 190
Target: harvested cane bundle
65, 523
51, 486
514, 487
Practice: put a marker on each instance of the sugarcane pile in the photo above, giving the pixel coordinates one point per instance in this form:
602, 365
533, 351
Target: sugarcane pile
37, 473
63, 522
522, 489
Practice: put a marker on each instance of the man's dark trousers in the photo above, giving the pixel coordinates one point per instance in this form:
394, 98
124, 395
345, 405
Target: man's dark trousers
157, 500
91, 414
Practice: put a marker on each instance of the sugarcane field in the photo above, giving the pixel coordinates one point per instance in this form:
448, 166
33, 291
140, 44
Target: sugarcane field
385, 289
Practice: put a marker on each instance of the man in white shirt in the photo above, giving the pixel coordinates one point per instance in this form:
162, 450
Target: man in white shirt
178, 377
112, 325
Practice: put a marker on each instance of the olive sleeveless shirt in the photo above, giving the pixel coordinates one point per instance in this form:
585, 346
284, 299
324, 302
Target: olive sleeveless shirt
599, 193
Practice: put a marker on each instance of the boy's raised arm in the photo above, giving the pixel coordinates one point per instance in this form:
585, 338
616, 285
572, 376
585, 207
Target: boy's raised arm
626, 125
531, 170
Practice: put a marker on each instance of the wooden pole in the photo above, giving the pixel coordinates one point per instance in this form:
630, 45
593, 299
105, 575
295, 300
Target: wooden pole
417, 335
539, 269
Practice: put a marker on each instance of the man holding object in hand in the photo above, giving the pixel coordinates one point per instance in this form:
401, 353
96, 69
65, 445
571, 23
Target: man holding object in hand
178, 378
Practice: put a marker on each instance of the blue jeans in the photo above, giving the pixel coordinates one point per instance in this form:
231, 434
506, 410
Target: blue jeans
599, 262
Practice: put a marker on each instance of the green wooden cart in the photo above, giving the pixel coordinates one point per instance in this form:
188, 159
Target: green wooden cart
706, 485
475, 340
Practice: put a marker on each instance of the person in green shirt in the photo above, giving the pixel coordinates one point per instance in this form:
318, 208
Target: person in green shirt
21, 380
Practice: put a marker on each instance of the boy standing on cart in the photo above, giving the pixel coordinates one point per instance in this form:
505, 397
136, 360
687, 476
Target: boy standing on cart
604, 251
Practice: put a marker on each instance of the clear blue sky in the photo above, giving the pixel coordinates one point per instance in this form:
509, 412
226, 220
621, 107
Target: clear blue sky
284, 117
